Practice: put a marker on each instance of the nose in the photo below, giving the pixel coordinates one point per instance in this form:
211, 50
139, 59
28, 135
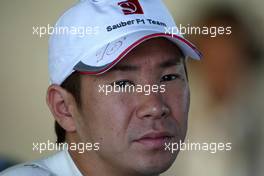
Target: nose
152, 106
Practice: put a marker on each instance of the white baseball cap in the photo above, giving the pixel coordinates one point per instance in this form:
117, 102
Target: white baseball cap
94, 35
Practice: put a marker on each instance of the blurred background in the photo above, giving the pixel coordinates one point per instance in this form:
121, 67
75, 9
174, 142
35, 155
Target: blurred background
226, 86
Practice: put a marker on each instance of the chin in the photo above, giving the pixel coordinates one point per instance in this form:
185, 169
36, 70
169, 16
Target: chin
157, 164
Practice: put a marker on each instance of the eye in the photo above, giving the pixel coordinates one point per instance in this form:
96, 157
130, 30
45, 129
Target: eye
170, 77
123, 83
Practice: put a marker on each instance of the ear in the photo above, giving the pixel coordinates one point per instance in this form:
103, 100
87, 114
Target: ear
61, 104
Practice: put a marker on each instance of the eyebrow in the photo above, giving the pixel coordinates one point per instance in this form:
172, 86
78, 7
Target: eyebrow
168, 63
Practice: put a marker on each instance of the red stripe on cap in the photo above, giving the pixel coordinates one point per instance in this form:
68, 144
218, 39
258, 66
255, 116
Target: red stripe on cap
135, 44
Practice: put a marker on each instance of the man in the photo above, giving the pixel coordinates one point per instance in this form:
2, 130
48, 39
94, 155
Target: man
126, 131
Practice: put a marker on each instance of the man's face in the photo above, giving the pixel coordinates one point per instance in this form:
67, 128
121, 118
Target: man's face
132, 128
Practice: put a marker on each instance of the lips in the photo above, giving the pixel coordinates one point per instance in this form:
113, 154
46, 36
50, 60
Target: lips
154, 140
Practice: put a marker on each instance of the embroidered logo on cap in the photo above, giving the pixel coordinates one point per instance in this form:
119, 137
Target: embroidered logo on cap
131, 7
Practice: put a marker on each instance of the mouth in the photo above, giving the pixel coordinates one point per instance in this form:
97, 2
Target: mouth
155, 140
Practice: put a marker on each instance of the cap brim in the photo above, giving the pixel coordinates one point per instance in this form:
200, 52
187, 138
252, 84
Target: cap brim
113, 52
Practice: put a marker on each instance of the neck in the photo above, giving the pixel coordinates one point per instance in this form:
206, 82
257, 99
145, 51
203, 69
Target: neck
89, 165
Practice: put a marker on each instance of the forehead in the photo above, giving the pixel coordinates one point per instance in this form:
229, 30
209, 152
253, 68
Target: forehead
151, 53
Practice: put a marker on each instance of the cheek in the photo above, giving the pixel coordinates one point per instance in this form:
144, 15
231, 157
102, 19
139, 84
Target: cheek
106, 118
177, 98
